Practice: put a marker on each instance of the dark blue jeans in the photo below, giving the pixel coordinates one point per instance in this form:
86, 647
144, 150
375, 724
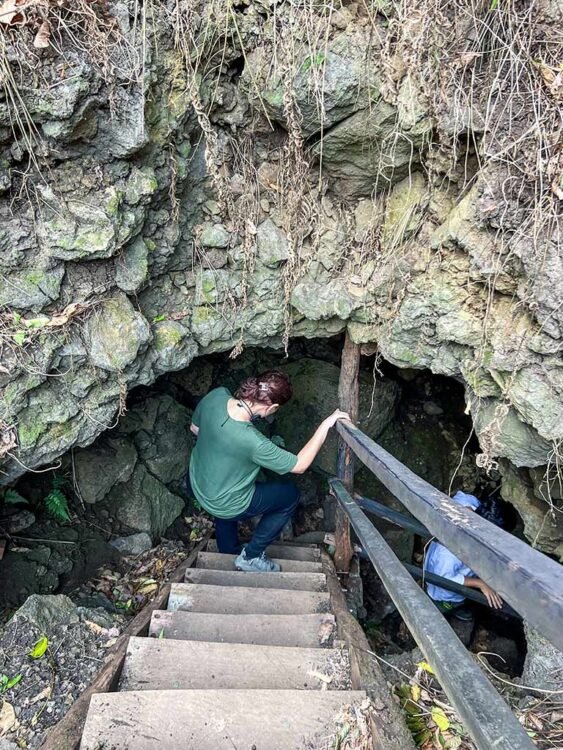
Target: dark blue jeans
275, 502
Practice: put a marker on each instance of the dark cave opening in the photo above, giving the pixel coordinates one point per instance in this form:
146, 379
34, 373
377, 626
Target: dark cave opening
417, 416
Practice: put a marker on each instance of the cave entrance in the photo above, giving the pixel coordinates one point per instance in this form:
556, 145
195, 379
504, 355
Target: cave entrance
419, 417
131, 480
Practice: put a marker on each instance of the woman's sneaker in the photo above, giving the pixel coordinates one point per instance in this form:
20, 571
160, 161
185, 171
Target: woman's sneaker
260, 564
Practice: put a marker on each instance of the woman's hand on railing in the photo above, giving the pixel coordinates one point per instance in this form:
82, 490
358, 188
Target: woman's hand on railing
335, 416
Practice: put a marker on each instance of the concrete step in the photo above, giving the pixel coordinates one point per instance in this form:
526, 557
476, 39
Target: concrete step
211, 719
305, 553
290, 581
240, 600
216, 561
305, 631
160, 664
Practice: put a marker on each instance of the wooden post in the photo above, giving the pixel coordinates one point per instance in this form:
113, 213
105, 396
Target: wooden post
348, 397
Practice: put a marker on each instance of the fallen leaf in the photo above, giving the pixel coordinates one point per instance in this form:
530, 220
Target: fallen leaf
94, 627
8, 719
466, 58
440, 719
325, 632
40, 647
426, 666
148, 588
327, 679
45, 694
10, 13
415, 692
7, 683
533, 719
42, 37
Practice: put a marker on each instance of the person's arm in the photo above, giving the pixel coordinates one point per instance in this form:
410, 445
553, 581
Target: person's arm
308, 453
194, 426
492, 597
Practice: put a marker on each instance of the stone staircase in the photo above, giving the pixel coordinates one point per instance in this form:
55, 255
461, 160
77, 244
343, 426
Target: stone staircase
238, 661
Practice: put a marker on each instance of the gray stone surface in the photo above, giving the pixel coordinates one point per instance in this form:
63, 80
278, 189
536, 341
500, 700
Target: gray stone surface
134, 544
315, 396
114, 334
132, 267
362, 154
271, 244
160, 430
99, 468
543, 668
144, 504
147, 241
45, 611
329, 84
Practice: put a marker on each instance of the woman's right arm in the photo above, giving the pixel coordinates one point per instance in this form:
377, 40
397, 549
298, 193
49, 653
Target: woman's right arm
308, 453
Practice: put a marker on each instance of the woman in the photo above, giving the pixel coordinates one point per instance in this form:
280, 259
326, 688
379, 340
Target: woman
228, 455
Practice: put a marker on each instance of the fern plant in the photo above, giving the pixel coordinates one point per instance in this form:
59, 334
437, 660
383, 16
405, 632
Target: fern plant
56, 502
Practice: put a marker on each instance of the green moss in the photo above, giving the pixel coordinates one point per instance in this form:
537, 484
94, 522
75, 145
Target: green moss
151, 245
34, 277
113, 203
313, 61
28, 434
208, 289
61, 430
167, 337
487, 357
203, 314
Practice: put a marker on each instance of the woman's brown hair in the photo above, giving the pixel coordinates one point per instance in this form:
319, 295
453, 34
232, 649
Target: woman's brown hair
270, 387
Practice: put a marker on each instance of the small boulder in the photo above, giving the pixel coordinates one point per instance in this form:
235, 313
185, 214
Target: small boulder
134, 544
45, 611
214, 235
543, 668
271, 244
19, 521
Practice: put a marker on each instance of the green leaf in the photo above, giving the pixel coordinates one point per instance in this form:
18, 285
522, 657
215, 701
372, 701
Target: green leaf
494, 5
11, 497
6, 683
159, 318
40, 647
19, 337
426, 666
440, 719
57, 505
161, 634
421, 737
36, 322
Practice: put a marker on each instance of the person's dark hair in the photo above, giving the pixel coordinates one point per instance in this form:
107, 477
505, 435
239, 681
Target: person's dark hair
270, 387
493, 510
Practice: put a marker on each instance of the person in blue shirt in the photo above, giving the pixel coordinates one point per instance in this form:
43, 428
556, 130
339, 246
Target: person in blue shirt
440, 561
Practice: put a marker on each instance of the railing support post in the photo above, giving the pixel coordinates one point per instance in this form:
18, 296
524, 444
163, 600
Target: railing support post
348, 397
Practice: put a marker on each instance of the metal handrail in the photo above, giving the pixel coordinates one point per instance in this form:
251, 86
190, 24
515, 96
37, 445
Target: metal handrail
487, 717
528, 580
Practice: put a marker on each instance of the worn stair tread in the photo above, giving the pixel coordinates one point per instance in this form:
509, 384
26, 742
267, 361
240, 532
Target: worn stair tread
305, 553
290, 581
161, 664
304, 631
211, 719
217, 561
200, 597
